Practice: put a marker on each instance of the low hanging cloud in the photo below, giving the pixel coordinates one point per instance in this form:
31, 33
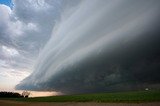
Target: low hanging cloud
101, 46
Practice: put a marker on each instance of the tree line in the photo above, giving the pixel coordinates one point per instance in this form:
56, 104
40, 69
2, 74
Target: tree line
4, 94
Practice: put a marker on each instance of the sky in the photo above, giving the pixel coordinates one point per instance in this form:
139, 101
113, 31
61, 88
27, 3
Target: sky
7, 2
22, 36
25, 27
79, 46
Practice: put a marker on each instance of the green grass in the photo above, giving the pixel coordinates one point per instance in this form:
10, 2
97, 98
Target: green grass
134, 96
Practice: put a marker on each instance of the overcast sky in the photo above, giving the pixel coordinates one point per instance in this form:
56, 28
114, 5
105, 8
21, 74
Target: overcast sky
78, 46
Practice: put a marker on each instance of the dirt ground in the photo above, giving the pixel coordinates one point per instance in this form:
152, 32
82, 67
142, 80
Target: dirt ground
14, 103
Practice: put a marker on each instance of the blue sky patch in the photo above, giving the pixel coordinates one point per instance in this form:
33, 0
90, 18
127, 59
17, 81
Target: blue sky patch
7, 2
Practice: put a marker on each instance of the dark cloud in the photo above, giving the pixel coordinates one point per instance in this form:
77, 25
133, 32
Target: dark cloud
102, 46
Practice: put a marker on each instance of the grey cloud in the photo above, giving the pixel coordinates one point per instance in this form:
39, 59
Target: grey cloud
7, 35
102, 46
26, 28
4, 32
44, 14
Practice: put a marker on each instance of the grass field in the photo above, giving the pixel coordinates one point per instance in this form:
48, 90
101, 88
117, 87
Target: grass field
132, 97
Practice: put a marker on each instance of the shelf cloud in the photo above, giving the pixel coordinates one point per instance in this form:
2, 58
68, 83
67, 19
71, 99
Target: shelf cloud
99, 46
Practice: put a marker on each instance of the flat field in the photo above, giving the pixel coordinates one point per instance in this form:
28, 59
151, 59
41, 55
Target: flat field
133, 98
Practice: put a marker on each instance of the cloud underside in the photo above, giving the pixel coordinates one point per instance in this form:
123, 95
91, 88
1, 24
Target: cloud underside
105, 46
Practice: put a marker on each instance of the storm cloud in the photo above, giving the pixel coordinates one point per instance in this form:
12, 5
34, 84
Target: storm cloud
105, 45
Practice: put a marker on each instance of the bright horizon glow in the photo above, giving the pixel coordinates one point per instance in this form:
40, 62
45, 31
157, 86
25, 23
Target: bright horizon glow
39, 93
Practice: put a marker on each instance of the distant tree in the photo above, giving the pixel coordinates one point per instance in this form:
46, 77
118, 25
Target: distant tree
25, 94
